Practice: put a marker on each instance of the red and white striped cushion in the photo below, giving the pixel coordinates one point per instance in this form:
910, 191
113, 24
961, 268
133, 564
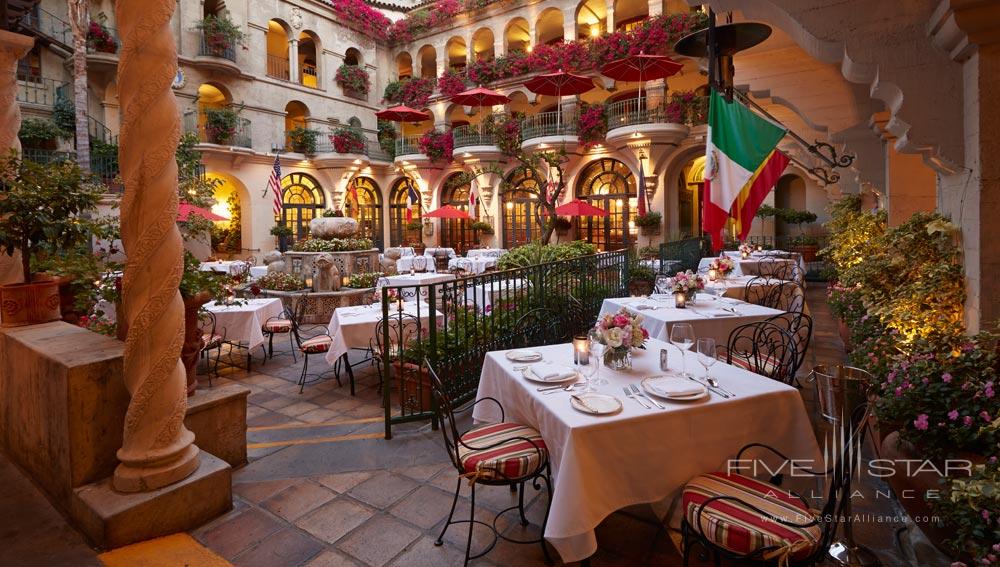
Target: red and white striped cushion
211, 341
767, 364
510, 458
316, 344
738, 528
278, 326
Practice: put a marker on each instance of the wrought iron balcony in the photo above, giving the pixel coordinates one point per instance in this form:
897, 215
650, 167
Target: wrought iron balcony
407, 146
214, 49
633, 111
239, 136
548, 124
40, 91
470, 135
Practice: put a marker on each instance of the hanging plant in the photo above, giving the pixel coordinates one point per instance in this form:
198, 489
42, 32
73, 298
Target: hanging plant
220, 33
437, 145
353, 78
506, 132
412, 92
451, 83
593, 125
348, 140
99, 38
303, 140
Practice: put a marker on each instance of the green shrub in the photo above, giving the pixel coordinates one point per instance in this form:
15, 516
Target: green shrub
537, 253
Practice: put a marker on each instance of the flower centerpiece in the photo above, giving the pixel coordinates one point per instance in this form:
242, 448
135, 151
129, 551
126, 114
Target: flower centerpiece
685, 285
620, 333
745, 249
723, 266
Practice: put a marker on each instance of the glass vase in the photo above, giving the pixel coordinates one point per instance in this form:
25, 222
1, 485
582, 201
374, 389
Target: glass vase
618, 358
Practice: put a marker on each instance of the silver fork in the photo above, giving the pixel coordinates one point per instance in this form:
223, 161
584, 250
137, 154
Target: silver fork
629, 394
637, 392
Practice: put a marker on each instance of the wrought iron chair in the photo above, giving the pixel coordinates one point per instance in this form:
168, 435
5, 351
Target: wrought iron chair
251, 260
758, 290
403, 329
786, 296
278, 325
310, 339
745, 519
536, 327
762, 348
800, 327
498, 454
212, 338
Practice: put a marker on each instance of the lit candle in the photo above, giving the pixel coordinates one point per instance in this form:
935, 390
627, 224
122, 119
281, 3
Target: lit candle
412, 270
581, 349
309, 283
346, 281
680, 300
713, 274
759, 247
744, 255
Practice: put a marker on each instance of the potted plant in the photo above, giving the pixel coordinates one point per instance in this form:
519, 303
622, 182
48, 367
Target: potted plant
484, 229
40, 209
283, 233
649, 253
221, 124
413, 229
640, 279
354, 80
805, 245
99, 38
649, 223
220, 34
303, 140
39, 133
387, 137
348, 140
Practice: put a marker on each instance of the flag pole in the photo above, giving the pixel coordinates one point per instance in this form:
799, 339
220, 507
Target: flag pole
277, 154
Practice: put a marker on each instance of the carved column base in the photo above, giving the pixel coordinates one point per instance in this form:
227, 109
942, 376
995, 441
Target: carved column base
150, 474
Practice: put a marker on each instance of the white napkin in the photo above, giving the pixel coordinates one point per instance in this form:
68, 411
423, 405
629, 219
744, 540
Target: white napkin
548, 372
672, 386
660, 296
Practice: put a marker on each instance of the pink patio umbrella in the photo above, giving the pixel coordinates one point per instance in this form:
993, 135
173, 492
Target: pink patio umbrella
559, 84
641, 68
448, 212
185, 210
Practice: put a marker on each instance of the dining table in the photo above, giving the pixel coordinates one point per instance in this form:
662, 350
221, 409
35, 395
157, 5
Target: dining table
641, 454
474, 264
710, 316
231, 267
244, 320
411, 283
482, 296
354, 327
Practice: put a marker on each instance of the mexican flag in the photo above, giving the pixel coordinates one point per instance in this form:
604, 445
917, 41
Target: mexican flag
742, 164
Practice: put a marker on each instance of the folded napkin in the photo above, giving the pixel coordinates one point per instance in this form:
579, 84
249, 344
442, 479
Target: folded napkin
644, 306
660, 296
669, 386
548, 372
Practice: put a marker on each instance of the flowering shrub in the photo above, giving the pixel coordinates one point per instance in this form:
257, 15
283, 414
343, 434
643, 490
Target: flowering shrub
280, 281
412, 92
451, 83
99, 38
423, 20
365, 280
348, 140
99, 324
220, 33
506, 132
855, 235
358, 15
387, 137
353, 78
332, 245
437, 145
943, 399
687, 107
970, 510
592, 128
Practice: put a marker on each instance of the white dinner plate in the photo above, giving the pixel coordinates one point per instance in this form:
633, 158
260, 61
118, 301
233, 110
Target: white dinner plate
530, 375
649, 386
596, 404
523, 355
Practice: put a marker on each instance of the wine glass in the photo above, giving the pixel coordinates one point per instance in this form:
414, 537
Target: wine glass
662, 282
597, 348
682, 337
588, 371
706, 354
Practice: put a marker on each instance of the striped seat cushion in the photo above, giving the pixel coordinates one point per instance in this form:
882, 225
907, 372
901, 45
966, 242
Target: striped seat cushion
210, 340
278, 326
766, 365
316, 344
517, 451
738, 528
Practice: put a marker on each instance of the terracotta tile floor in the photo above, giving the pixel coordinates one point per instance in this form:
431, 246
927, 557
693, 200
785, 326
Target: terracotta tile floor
324, 488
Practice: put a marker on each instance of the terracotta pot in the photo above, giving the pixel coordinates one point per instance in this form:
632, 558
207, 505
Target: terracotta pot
192, 338
640, 287
29, 303
845, 335
651, 230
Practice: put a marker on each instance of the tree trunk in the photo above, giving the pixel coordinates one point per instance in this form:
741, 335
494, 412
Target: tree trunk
80, 20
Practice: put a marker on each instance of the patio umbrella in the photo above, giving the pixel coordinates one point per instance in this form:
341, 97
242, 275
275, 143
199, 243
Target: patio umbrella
185, 210
448, 212
480, 96
402, 113
559, 84
578, 208
641, 68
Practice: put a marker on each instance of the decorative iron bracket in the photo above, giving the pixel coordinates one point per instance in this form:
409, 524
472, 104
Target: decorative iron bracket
828, 153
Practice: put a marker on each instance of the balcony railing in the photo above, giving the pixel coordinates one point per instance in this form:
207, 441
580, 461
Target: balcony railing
470, 135
49, 25
104, 167
635, 111
40, 91
548, 124
372, 150
211, 49
407, 146
239, 137
94, 46
278, 67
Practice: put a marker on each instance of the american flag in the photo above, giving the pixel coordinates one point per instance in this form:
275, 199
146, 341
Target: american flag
473, 197
414, 197
274, 184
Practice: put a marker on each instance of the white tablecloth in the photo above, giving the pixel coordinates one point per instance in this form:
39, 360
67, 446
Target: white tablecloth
257, 272
354, 327
410, 294
223, 266
485, 253
243, 321
431, 251
476, 265
707, 317
603, 464
482, 296
404, 264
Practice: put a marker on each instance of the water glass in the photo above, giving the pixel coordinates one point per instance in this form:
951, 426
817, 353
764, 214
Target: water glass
682, 337
706, 353
588, 371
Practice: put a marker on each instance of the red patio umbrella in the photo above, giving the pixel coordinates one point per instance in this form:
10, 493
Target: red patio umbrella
185, 210
480, 96
578, 208
559, 84
448, 212
401, 114
641, 68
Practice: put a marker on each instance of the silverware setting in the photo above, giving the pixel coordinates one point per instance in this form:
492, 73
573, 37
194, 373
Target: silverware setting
637, 392
628, 394
556, 389
710, 387
584, 403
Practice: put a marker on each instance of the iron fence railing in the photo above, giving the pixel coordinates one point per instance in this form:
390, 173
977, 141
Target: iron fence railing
633, 111
216, 50
375, 152
40, 91
105, 167
548, 124
278, 67
472, 135
240, 137
49, 25
407, 146
530, 306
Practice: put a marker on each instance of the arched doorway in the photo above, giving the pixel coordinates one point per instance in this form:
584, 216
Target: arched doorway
607, 184
296, 114
309, 50
399, 204
404, 66
789, 193
458, 54
549, 27
591, 19
277, 50
428, 62
517, 36
302, 200
690, 189
519, 207
457, 233
364, 204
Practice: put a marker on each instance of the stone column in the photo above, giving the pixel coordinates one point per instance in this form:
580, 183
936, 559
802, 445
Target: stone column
610, 7
157, 449
293, 61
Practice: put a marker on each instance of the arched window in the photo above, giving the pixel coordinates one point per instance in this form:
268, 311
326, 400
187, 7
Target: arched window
458, 54
690, 187
296, 114
364, 204
608, 184
591, 19
399, 204
404, 65
309, 50
517, 36
519, 208
428, 62
482, 45
302, 201
457, 233
549, 27
630, 13
277, 50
